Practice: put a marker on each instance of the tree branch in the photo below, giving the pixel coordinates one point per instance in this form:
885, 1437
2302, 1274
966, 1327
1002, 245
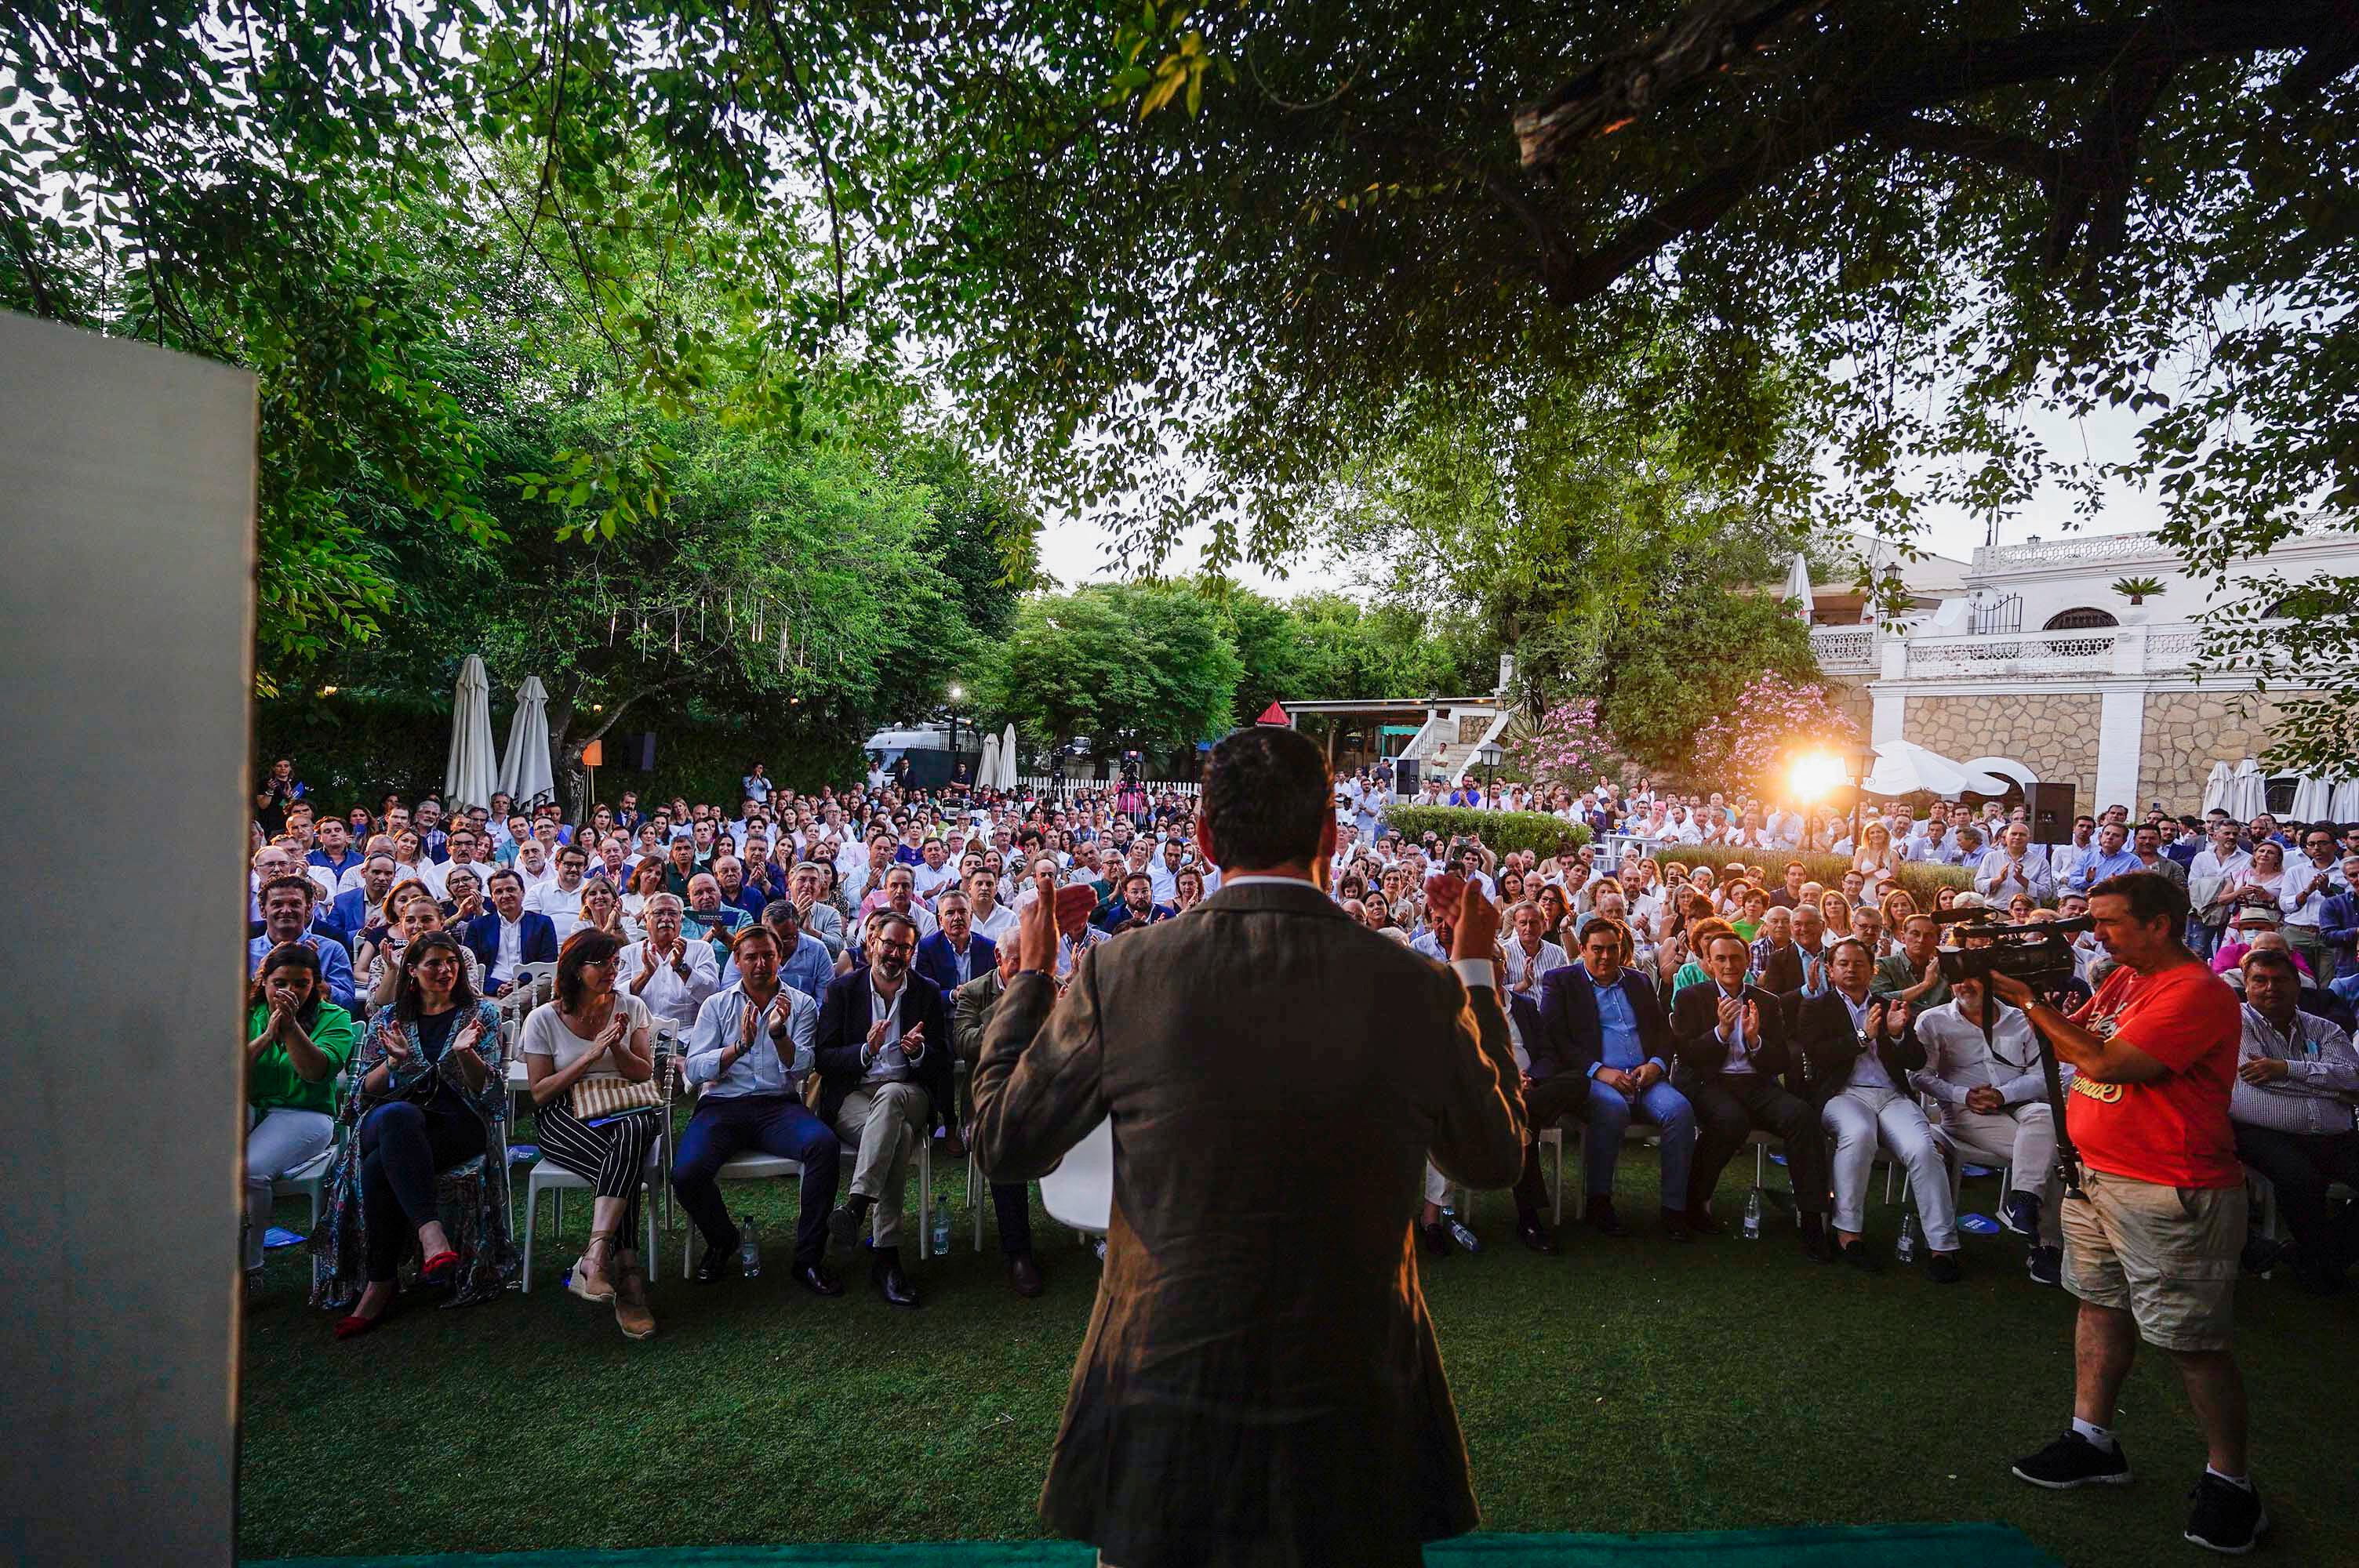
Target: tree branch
1699, 45
1845, 111
2004, 150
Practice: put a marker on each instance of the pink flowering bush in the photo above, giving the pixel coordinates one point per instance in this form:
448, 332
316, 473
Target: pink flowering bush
1569, 746
1747, 749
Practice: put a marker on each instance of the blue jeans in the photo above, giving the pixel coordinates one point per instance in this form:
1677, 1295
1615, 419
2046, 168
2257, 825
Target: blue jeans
771, 1124
1611, 1113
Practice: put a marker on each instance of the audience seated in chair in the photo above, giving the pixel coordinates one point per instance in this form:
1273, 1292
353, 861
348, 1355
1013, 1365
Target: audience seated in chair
1603, 1055
429, 1097
1861, 1051
297, 1042
591, 1031
748, 1053
2292, 1110
883, 1051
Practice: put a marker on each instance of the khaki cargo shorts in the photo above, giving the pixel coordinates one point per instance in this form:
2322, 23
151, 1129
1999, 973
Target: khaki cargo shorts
2168, 1256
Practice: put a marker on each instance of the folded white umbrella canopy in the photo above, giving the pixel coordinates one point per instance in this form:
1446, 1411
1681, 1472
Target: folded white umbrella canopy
2216, 786
1007, 755
472, 773
2248, 792
2309, 799
1797, 586
2342, 805
1903, 767
986, 772
523, 771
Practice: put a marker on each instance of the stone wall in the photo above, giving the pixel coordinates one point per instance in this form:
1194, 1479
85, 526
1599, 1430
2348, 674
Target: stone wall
1853, 702
2052, 733
2187, 731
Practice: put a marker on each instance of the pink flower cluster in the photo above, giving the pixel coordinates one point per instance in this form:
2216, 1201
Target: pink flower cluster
1569, 746
1774, 718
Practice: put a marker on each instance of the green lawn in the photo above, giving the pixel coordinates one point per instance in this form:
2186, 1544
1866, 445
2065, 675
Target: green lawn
1623, 1386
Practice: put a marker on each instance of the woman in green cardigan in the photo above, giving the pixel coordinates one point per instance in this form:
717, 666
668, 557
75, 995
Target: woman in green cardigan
297, 1042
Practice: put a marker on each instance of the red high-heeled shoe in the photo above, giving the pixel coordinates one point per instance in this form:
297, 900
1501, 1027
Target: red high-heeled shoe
352, 1325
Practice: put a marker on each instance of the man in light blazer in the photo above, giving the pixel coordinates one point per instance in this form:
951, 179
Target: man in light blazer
1260, 1383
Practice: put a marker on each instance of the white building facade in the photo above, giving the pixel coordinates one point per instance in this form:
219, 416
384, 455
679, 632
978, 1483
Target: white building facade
2029, 655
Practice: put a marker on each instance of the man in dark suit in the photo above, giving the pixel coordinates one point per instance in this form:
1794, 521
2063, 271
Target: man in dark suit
1730, 1040
954, 954
971, 1006
510, 935
1260, 1383
1604, 1055
883, 1051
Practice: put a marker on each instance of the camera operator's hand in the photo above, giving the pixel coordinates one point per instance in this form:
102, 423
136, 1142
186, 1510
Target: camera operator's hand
2009, 990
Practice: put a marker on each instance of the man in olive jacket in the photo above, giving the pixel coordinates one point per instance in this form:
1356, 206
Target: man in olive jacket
1260, 1383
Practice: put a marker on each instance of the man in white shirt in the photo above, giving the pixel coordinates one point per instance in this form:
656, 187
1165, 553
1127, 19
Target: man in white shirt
2309, 882
1932, 847
559, 898
934, 871
2012, 868
1995, 1110
1529, 954
532, 863
2212, 878
671, 975
2292, 1108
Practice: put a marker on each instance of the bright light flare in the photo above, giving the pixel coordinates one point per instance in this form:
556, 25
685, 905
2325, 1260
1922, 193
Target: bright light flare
1815, 775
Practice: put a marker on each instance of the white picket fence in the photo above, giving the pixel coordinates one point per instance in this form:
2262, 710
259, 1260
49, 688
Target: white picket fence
1042, 784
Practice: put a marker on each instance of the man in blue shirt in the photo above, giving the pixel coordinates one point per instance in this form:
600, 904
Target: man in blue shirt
2113, 857
335, 851
1604, 1054
286, 917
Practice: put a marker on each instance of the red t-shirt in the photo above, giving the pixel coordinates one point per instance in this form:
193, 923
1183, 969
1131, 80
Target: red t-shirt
2172, 1131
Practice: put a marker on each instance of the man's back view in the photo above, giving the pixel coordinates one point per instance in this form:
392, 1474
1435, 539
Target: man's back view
1260, 1383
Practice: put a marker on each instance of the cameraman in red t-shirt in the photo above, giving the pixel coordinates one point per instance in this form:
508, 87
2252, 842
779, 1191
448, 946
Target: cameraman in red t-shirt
2151, 1243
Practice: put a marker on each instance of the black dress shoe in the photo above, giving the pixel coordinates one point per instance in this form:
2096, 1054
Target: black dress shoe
1024, 1277
1818, 1244
817, 1281
844, 1226
1534, 1235
1700, 1220
1860, 1256
1437, 1238
895, 1287
1677, 1225
717, 1264
1603, 1220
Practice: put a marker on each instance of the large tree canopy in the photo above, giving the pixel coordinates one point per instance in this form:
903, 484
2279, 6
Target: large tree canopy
1196, 265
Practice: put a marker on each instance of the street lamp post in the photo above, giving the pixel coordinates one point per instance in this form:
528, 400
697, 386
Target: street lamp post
1488, 754
1859, 760
957, 694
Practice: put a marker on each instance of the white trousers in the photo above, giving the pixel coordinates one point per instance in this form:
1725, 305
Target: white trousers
1861, 1118
2022, 1137
276, 1142
1436, 1185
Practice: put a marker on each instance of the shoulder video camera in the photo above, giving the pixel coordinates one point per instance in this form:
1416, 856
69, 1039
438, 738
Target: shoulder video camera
2039, 955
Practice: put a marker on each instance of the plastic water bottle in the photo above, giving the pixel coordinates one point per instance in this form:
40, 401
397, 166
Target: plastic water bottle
1459, 1232
1753, 1215
749, 1248
942, 1227
1909, 1238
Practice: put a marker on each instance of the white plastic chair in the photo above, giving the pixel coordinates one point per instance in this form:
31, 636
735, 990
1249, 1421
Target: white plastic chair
760, 1167
1079, 1194
548, 1177
306, 1181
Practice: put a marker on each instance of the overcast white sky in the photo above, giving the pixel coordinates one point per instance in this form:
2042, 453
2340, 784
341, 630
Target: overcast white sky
1074, 551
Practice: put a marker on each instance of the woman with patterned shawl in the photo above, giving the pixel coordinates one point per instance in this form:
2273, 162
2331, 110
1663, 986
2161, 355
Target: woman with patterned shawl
427, 1162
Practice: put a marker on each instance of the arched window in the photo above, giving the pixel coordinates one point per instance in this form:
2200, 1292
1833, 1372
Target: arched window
2080, 620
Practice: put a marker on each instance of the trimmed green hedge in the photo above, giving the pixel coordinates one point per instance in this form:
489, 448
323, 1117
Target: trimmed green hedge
1502, 830
1920, 881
